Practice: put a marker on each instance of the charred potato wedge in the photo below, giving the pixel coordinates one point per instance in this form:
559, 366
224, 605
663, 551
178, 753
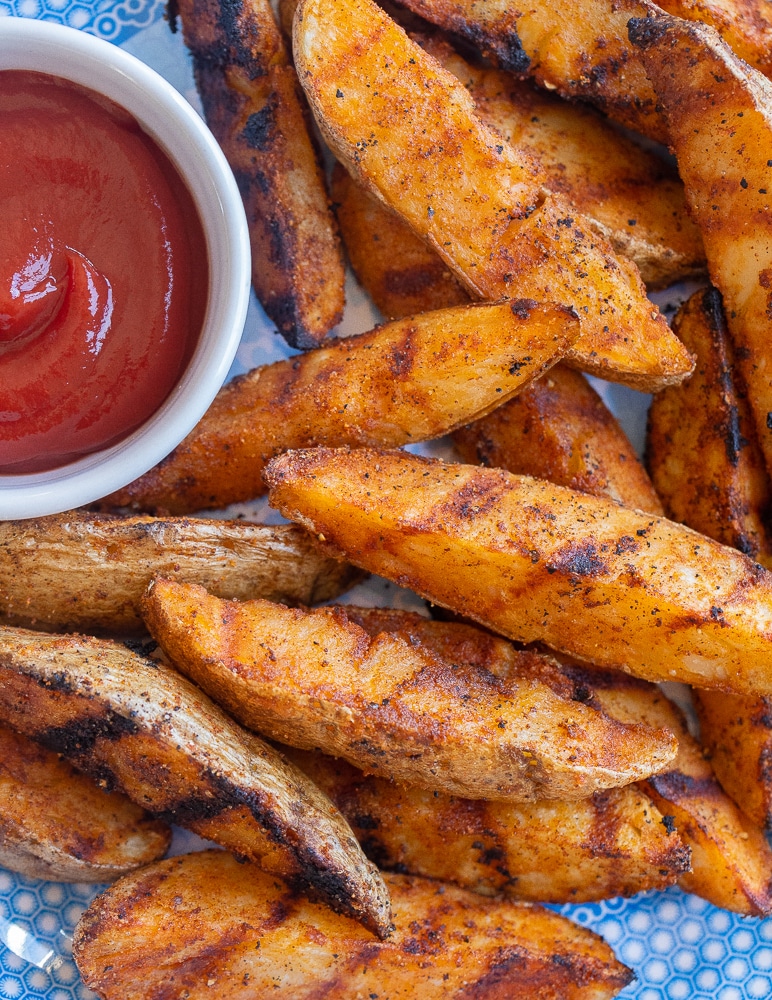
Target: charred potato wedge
613, 843
395, 707
731, 859
702, 450
141, 728
737, 733
59, 825
406, 381
87, 572
473, 197
201, 921
719, 115
539, 562
561, 430
255, 108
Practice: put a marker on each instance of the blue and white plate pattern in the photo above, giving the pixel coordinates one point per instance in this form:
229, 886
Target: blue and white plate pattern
680, 947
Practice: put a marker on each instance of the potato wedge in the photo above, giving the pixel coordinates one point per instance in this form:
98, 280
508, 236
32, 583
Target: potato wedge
702, 450
201, 925
400, 273
632, 195
407, 381
408, 130
141, 728
613, 843
539, 562
736, 731
719, 114
581, 49
561, 430
59, 825
87, 572
255, 108
731, 859
315, 679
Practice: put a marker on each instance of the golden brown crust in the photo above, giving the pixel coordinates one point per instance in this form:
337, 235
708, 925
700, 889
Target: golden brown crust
59, 825
140, 727
560, 429
702, 449
470, 195
402, 382
200, 924
393, 705
539, 562
255, 108
611, 844
87, 572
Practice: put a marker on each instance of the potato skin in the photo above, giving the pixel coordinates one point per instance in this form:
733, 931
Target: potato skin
561, 430
255, 108
201, 921
81, 571
613, 843
471, 196
59, 825
139, 727
538, 562
403, 382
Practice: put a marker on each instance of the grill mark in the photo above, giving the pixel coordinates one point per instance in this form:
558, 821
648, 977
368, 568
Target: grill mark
676, 786
579, 559
259, 130
78, 737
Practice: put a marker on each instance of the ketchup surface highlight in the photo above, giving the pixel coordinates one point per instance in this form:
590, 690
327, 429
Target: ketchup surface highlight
103, 273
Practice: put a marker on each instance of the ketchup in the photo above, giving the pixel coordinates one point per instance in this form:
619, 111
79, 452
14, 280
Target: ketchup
103, 273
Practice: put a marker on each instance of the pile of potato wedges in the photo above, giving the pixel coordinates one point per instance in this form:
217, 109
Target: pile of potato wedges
394, 793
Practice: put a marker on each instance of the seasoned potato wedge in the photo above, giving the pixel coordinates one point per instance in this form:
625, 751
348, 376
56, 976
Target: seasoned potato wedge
561, 430
702, 450
394, 707
611, 844
581, 50
737, 733
634, 198
401, 274
255, 108
201, 925
731, 859
82, 571
406, 381
408, 130
141, 728
539, 562
59, 825
719, 114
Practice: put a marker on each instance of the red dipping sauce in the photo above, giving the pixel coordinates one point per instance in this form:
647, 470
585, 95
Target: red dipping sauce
103, 273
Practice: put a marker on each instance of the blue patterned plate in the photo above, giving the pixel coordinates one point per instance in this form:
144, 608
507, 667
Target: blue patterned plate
679, 946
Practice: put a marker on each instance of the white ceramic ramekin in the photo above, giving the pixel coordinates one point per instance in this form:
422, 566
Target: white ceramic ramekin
177, 128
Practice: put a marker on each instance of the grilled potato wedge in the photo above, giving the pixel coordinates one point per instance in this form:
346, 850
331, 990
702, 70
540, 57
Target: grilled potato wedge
201, 925
406, 381
87, 572
400, 273
719, 114
613, 843
561, 430
731, 859
255, 108
539, 562
141, 728
59, 825
469, 194
581, 50
720, 487
737, 733
315, 679
634, 198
